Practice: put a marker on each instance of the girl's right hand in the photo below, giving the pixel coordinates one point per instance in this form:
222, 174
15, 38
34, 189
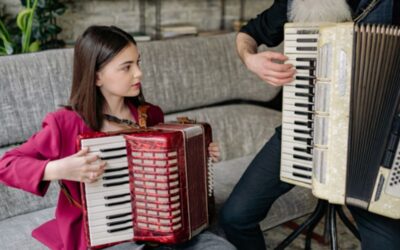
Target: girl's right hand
79, 167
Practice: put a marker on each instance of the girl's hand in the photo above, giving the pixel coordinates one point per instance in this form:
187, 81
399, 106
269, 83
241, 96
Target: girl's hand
214, 151
79, 167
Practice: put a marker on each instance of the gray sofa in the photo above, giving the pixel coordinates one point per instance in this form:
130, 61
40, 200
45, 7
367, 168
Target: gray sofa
200, 77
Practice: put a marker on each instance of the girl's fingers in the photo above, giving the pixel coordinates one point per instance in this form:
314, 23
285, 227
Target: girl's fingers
82, 152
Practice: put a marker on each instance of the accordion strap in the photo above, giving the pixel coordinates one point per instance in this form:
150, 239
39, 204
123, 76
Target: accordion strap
67, 194
142, 115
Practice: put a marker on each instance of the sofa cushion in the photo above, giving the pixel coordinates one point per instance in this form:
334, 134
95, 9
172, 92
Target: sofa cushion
240, 129
15, 232
31, 86
15, 202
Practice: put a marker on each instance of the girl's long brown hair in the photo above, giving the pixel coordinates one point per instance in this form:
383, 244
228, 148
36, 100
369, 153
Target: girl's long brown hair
93, 50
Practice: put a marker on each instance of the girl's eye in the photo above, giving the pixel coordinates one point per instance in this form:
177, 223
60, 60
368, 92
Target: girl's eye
126, 68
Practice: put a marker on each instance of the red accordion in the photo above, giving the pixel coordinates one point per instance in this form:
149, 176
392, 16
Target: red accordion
157, 185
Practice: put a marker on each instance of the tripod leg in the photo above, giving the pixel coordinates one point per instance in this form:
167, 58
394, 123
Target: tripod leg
310, 231
332, 227
318, 210
347, 222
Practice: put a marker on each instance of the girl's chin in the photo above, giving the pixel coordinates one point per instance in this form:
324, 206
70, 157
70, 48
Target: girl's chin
133, 93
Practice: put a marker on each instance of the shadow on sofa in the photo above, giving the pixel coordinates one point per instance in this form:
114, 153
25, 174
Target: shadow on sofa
190, 76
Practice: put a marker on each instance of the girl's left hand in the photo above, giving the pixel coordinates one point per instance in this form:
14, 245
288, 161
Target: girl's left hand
214, 151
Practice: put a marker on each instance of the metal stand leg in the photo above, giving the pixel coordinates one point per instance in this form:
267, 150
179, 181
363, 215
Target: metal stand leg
347, 222
332, 227
311, 220
322, 208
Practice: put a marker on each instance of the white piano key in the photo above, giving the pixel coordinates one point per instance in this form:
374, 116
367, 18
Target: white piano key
103, 220
103, 142
290, 158
100, 202
104, 209
111, 238
112, 212
290, 175
293, 167
298, 97
293, 89
291, 151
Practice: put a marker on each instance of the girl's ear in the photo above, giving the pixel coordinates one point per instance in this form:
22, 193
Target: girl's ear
98, 80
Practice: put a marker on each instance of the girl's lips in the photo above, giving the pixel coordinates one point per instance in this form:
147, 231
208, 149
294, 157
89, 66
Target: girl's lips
137, 85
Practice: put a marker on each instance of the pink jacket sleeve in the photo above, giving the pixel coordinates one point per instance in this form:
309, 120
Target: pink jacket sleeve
23, 167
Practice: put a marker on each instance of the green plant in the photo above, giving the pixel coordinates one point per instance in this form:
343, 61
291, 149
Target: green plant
34, 28
45, 28
24, 22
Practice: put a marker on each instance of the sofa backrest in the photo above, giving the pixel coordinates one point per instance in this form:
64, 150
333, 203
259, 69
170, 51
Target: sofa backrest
178, 75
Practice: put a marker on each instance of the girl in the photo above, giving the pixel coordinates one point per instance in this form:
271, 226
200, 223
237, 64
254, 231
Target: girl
106, 85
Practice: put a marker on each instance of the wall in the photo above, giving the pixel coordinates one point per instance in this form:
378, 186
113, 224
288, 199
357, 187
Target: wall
205, 14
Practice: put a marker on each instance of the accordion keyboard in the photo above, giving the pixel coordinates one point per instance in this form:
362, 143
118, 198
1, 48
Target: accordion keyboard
108, 200
298, 106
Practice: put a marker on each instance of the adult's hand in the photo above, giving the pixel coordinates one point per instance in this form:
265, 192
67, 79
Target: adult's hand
269, 66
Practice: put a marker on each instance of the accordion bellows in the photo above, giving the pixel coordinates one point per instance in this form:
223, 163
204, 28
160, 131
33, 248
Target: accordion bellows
339, 114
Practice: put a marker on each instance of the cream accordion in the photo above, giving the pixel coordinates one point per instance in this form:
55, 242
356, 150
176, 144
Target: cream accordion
157, 185
340, 128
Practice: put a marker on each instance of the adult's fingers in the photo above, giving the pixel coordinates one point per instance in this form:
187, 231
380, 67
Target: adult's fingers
280, 75
277, 81
272, 55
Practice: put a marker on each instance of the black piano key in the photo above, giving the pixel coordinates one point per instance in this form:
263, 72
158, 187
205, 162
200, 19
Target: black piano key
112, 184
112, 157
117, 203
301, 123
305, 78
110, 224
304, 158
119, 229
302, 176
306, 59
309, 115
115, 169
305, 150
117, 176
304, 86
304, 94
301, 31
302, 131
295, 166
111, 149
110, 217
311, 67
305, 105
306, 40
305, 48
306, 140
116, 196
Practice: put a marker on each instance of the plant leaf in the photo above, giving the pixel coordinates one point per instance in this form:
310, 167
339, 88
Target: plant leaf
35, 46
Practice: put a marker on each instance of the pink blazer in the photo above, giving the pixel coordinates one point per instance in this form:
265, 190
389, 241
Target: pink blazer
23, 168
